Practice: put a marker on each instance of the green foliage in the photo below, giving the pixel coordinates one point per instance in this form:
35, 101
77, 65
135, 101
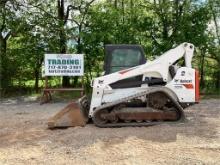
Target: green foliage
36, 27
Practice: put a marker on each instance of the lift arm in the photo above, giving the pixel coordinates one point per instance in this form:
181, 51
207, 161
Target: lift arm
160, 66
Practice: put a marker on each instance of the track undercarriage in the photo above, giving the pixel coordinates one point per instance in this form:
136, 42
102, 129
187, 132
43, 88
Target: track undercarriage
158, 107
154, 106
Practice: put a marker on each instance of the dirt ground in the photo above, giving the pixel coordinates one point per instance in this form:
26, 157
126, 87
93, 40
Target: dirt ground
25, 139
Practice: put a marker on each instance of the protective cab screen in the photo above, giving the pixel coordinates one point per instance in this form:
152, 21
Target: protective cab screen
124, 58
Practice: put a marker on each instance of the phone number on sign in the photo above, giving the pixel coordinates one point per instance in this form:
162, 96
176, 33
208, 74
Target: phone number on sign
64, 67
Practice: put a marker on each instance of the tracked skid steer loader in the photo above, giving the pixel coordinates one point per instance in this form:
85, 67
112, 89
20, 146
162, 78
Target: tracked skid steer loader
136, 92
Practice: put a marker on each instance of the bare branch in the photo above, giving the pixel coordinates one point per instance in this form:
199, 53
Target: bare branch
7, 35
84, 13
69, 8
86, 10
38, 6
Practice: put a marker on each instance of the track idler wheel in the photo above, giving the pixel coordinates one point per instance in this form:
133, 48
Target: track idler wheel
101, 117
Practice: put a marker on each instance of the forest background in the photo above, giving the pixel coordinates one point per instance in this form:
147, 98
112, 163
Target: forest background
31, 28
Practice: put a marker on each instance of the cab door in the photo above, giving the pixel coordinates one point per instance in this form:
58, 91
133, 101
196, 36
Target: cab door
120, 57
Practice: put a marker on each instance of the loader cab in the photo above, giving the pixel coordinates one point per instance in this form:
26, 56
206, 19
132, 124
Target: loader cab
119, 57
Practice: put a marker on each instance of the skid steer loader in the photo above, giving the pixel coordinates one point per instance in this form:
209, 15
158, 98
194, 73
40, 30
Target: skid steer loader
133, 92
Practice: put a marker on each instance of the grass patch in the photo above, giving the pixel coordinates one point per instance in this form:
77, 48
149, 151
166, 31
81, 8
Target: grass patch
210, 96
67, 95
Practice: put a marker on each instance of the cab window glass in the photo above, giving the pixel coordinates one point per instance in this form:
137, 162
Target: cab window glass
124, 58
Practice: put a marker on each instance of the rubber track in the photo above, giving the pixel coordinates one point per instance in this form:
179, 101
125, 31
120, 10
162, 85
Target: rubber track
179, 109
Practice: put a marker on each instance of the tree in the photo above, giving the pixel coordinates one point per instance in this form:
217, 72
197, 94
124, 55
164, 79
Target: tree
31, 28
214, 46
8, 28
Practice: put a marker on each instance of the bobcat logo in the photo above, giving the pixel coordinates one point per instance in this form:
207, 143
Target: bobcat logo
183, 73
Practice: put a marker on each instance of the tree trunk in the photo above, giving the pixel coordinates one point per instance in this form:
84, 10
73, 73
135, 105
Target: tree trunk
116, 4
79, 50
36, 84
4, 76
215, 19
202, 81
217, 82
62, 34
216, 76
1, 67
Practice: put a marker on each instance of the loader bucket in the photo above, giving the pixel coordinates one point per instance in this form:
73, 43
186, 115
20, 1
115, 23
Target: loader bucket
70, 116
